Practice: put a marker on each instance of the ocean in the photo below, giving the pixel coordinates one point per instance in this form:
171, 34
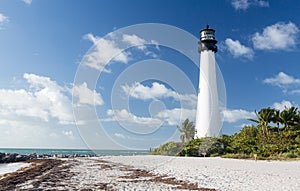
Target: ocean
11, 167
24, 151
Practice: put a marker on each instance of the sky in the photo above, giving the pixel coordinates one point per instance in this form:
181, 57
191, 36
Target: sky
115, 74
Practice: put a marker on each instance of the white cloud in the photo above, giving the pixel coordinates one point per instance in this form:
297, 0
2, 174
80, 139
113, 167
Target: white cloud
240, 4
135, 41
245, 4
127, 117
21, 132
139, 91
44, 100
21, 103
287, 83
109, 49
133, 123
282, 105
50, 97
69, 134
279, 36
174, 116
237, 49
262, 3
39, 115
156, 91
3, 19
28, 2
232, 116
102, 53
168, 116
243, 125
86, 95
295, 92
119, 135
282, 80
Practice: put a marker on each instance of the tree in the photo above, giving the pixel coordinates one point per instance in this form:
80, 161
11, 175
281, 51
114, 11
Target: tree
187, 130
288, 117
264, 117
276, 118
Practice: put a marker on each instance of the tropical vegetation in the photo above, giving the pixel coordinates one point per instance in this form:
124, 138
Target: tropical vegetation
275, 135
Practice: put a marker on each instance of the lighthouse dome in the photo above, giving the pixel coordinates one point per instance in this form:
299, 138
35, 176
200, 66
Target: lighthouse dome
207, 40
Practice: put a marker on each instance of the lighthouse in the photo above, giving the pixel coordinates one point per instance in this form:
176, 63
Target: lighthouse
208, 118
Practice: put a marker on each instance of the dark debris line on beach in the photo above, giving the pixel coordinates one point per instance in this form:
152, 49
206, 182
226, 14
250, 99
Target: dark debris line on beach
33, 174
138, 175
55, 174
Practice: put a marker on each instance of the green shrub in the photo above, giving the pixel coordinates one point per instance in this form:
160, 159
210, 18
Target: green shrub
170, 149
208, 146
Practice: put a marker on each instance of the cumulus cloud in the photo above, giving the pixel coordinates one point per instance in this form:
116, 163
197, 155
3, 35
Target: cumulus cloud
38, 115
282, 105
237, 49
245, 4
135, 41
48, 97
21, 103
102, 53
156, 91
165, 117
86, 95
282, 80
280, 36
44, 100
28, 2
132, 122
288, 84
127, 117
111, 48
174, 116
232, 116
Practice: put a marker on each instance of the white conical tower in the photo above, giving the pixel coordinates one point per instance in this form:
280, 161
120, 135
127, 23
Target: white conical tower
208, 120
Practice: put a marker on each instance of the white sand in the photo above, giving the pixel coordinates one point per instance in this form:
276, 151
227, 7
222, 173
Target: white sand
120, 173
222, 174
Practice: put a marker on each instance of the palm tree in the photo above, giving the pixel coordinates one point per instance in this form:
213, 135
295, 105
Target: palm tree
264, 117
187, 130
297, 121
288, 117
276, 118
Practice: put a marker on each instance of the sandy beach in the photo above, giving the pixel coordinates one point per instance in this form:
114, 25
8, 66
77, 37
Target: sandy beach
153, 173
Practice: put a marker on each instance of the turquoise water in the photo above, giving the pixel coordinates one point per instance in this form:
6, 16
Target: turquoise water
75, 151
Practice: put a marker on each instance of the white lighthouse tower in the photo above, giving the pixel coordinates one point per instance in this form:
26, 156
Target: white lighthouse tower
208, 119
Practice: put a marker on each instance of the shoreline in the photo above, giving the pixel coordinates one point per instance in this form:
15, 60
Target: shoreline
6, 168
154, 172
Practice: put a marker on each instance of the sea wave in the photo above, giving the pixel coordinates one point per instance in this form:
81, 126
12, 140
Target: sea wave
11, 167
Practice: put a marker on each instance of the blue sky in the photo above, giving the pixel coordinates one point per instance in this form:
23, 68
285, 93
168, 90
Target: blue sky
55, 62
